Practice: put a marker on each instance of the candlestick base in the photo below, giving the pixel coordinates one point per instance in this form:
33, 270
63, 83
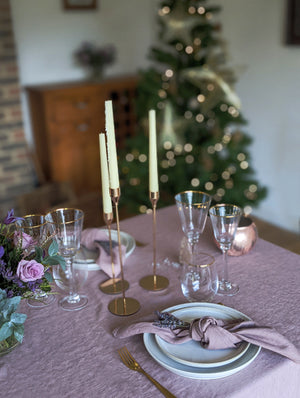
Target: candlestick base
154, 282
124, 306
113, 286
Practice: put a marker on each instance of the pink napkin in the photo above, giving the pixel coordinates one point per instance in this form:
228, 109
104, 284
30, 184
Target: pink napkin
95, 238
213, 334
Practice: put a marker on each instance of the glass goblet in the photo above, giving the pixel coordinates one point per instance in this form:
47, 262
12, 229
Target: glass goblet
63, 278
199, 278
225, 219
66, 225
35, 226
192, 208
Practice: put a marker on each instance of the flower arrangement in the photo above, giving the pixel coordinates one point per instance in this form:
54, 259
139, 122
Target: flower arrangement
24, 268
11, 323
95, 58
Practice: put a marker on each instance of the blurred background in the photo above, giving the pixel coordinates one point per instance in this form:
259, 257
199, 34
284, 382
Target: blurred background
46, 35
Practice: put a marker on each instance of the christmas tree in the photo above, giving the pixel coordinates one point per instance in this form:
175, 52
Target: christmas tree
201, 145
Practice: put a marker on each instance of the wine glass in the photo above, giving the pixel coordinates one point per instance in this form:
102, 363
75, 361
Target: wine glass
35, 226
66, 225
79, 275
192, 208
199, 278
225, 219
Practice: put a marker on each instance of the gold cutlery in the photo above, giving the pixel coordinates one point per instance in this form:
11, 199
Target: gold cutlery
132, 364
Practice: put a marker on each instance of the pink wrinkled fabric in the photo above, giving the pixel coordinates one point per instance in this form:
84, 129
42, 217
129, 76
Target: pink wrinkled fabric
89, 238
215, 334
29, 271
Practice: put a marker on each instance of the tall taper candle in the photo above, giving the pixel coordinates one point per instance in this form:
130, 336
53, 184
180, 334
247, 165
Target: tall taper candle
153, 176
106, 199
111, 146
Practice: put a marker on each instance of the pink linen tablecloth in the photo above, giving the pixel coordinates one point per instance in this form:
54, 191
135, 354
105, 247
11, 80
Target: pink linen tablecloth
73, 354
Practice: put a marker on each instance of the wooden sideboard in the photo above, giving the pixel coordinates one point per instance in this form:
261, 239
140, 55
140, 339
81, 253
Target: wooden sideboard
66, 121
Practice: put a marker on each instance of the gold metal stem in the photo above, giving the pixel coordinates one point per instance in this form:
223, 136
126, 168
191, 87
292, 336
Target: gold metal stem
113, 285
108, 218
121, 306
115, 196
154, 196
154, 282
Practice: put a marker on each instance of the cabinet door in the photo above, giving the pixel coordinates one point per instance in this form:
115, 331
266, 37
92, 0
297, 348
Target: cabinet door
74, 154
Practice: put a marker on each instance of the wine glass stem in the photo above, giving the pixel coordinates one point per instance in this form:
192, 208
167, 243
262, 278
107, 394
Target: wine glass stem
69, 271
225, 267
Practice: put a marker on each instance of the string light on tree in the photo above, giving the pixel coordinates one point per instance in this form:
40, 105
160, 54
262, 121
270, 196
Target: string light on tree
188, 61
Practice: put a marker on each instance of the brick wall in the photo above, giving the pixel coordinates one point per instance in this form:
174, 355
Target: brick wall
16, 170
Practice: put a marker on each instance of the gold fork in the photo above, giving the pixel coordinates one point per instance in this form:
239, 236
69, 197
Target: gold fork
132, 364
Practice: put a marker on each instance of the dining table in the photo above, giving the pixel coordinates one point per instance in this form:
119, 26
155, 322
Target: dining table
75, 354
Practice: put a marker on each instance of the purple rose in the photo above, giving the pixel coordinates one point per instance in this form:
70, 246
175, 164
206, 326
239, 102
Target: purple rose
26, 239
30, 270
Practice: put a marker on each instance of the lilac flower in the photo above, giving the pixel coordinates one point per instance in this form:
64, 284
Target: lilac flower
10, 218
2, 251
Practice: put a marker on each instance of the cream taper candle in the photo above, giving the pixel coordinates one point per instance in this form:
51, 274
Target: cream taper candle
153, 175
106, 199
111, 146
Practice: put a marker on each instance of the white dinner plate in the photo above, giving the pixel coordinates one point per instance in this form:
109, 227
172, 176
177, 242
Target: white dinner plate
91, 255
191, 353
209, 370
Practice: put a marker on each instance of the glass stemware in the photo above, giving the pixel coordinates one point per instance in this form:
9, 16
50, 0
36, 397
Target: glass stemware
192, 208
225, 219
79, 274
66, 225
35, 226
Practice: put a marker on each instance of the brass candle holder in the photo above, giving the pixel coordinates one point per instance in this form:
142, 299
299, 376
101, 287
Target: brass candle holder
122, 306
154, 282
113, 285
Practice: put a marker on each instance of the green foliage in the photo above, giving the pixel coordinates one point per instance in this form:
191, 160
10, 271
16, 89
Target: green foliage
209, 151
11, 322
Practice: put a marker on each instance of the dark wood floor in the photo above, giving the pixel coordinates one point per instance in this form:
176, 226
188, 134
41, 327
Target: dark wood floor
279, 236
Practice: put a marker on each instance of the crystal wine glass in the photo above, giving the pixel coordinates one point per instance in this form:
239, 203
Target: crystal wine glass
192, 208
35, 226
66, 225
225, 219
79, 273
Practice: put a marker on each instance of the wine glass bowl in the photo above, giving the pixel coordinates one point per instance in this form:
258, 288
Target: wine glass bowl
35, 228
192, 208
66, 225
63, 278
225, 219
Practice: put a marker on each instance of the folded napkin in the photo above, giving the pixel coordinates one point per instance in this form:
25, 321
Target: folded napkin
213, 334
97, 239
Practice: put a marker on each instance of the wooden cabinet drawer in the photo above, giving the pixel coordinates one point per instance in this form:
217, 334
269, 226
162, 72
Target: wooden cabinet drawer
76, 108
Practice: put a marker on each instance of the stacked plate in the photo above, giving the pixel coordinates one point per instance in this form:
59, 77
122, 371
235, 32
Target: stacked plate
89, 257
190, 359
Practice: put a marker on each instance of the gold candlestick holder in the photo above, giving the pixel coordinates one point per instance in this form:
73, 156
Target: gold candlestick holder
122, 306
154, 282
113, 285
